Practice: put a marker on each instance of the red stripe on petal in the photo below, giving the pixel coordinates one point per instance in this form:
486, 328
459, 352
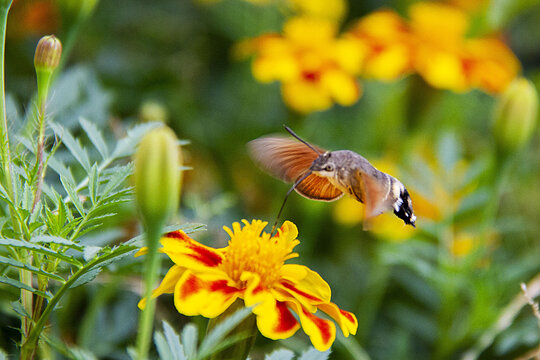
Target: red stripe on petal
200, 253
191, 286
286, 320
348, 315
177, 235
323, 326
207, 257
221, 286
291, 287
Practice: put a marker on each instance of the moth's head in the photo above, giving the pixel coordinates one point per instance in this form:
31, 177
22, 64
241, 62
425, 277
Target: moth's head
403, 207
324, 165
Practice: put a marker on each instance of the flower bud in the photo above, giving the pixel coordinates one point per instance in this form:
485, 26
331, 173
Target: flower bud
48, 52
157, 175
515, 116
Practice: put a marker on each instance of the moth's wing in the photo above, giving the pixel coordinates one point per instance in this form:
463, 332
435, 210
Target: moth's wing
318, 188
375, 193
283, 158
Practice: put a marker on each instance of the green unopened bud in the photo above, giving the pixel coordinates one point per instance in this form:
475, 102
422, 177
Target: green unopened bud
157, 176
516, 115
153, 111
48, 52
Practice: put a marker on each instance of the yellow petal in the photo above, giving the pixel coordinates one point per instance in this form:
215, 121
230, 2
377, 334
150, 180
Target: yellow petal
389, 63
274, 319
349, 53
346, 320
188, 253
438, 23
305, 284
321, 332
167, 284
310, 31
270, 68
306, 97
442, 69
208, 295
341, 86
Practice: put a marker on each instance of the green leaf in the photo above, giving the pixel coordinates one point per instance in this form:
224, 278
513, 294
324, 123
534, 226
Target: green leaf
314, 354
126, 146
19, 309
20, 265
93, 183
86, 277
20, 285
501, 12
190, 335
47, 239
173, 349
117, 177
90, 252
72, 194
217, 335
163, 349
281, 354
39, 249
73, 145
95, 137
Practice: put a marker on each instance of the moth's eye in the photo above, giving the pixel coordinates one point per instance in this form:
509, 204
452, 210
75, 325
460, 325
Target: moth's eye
329, 168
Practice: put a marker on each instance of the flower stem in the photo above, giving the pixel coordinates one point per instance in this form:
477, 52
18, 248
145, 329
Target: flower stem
153, 262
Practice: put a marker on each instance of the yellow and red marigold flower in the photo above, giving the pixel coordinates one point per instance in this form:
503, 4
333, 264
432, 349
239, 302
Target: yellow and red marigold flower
434, 43
315, 67
206, 281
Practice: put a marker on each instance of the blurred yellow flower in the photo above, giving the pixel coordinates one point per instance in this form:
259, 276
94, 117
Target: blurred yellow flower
387, 40
315, 67
206, 281
329, 9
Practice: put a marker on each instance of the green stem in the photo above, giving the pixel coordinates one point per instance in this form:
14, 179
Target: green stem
153, 262
28, 347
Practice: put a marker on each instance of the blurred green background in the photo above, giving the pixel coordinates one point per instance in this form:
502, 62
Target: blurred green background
433, 293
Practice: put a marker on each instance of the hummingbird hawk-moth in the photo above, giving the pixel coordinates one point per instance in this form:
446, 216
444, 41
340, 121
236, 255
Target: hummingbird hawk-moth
327, 175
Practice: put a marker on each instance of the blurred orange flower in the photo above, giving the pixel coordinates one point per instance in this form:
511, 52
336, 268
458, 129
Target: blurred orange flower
434, 44
206, 281
315, 67
33, 17
446, 59
388, 42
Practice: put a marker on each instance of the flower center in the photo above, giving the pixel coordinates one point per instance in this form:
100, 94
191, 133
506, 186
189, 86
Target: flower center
257, 253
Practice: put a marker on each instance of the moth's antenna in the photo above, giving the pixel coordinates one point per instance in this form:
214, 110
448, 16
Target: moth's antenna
301, 140
274, 227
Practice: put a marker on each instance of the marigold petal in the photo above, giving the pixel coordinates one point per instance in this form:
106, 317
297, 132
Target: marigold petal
167, 284
304, 284
306, 96
441, 69
190, 254
270, 68
254, 293
439, 23
310, 31
389, 63
275, 320
347, 321
208, 295
321, 332
341, 86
